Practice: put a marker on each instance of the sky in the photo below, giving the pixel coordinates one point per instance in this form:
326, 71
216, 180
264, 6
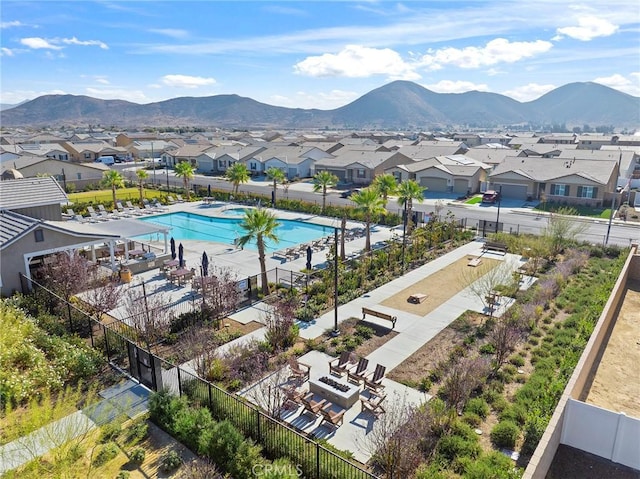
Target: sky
313, 54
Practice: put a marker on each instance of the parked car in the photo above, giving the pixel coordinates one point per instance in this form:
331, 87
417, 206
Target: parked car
349, 193
490, 196
106, 160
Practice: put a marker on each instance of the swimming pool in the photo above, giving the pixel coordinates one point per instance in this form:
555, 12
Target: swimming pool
190, 226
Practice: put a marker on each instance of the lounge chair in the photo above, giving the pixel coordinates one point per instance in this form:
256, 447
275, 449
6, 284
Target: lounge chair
123, 212
171, 200
332, 417
311, 405
340, 366
104, 212
360, 372
135, 209
180, 199
372, 404
374, 383
299, 371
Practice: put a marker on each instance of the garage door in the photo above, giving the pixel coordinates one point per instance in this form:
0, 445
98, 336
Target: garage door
434, 184
515, 192
460, 186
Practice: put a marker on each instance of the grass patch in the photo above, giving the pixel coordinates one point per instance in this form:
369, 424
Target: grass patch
105, 196
473, 201
580, 210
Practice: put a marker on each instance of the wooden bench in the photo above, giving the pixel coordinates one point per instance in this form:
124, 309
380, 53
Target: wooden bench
380, 315
495, 246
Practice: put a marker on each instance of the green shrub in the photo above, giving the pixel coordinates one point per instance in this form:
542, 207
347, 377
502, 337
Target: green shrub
136, 432
189, 424
493, 465
123, 475
170, 461
137, 455
425, 384
533, 431
364, 332
477, 406
472, 419
164, 408
452, 447
487, 349
246, 460
108, 452
505, 434
109, 432
516, 412
221, 443
517, 360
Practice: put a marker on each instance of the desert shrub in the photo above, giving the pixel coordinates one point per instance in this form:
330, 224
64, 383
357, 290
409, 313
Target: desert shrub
489, 466
452, 447
487, 348
136, 432
364, 332
533, 431
137, 455
517, 360
246, 460
108, 452
123, 475
477, 406
425, 384
170, 461
515, 412
472, 419
505, 434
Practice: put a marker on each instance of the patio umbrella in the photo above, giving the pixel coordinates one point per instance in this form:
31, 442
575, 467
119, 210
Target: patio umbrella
181, 255
309, 253
173, 248
205, 264
209, 190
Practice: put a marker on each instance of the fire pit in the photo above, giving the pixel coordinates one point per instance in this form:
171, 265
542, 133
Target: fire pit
342, 394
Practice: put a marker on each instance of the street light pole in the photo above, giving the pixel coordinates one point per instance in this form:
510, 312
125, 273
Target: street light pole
335, 331
404, 232
166, 172
499, 201
613, 207
153, 162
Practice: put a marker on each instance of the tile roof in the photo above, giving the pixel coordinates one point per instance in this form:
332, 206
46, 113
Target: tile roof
30, 192
548, 169
14, 225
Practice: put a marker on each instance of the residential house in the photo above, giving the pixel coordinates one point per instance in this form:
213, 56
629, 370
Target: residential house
559, 138
593, 141
490, 154
294, 161
360, 167
187, 152
91, 150
567, 181
458, 174
39, 197
65, 172
217, 159
430, 149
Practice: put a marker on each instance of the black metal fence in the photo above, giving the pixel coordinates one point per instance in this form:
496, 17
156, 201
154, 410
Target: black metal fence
120, 344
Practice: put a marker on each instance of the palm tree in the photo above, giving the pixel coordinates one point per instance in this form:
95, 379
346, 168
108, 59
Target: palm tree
321, 181
142, 175
408, 191
236, 174
277, 176
369, 202
113, 179
185, 171
386, 185
260, 225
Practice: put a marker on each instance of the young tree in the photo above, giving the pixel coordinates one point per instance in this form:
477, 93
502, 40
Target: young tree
113, 179
237, 174
280, 321
409, 191
386, 185
185, 171
270, 393
147, 313
371, 205
484, 281
220, 297
563, 229
505, 335
142, 175
321, 181
68, 274
277, 176
465, 375
259, 226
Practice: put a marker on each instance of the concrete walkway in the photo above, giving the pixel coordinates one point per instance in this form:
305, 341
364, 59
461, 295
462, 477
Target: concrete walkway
127, 398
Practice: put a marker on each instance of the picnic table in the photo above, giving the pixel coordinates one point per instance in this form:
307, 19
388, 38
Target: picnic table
136, 252
179, 275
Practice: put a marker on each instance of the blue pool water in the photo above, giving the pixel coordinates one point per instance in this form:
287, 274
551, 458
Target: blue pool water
190, 226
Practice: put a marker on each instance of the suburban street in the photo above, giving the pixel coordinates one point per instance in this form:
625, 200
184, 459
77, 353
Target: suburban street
513, 216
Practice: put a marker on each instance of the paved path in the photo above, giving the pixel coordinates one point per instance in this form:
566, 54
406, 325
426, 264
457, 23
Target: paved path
125, 398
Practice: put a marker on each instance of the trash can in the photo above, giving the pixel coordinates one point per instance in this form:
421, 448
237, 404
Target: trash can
125, 275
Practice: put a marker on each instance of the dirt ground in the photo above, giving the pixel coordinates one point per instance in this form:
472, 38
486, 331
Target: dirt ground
440, 286
613, 387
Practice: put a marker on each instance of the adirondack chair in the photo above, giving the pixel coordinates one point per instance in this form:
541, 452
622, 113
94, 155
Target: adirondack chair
334, 418
360, 372
312, 406
372, 404
374, 383
299, 371
340, 366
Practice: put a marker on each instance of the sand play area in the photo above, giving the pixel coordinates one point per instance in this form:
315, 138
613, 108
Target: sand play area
440, 286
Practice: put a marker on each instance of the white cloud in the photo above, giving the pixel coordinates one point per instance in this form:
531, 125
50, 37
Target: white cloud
13, 23
170, 32
528, 92
6, 52
356, 61
39, 43
186, 81
460, 86
619, 82
135, 96
589, 28
75, 41
496, 51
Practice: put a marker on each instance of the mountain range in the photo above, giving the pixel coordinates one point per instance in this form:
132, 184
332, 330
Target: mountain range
399, 105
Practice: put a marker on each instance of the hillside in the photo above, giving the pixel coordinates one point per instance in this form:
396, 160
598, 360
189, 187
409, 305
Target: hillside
397, 105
